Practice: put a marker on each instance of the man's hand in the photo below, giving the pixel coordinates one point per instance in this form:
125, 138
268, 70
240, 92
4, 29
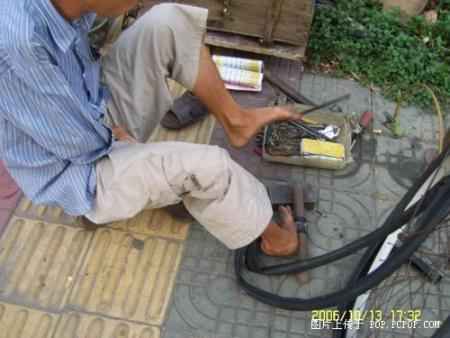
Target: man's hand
120, 134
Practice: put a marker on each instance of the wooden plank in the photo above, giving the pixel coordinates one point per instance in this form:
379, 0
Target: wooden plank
248, 44
273, 17
248, 17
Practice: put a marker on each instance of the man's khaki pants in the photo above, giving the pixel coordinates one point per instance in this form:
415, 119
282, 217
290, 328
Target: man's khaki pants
222, 196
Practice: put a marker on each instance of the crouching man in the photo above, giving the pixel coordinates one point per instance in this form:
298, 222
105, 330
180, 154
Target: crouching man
72, 128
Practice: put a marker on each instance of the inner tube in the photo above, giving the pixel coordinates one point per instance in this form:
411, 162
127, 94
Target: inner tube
434, 206
444, 330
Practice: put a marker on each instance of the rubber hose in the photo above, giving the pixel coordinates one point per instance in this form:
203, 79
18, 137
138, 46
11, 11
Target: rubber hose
444, 330
391, 224
365, 262
429, 220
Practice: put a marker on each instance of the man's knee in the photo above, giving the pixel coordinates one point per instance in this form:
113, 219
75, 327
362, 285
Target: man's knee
213, 181
205, 174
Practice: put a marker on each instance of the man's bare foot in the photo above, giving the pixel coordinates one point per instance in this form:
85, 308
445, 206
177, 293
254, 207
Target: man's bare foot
281, 240
250, 121
287, 220
240, 124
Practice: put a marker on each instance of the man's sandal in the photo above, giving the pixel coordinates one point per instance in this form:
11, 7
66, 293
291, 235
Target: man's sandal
185, 111
179, 212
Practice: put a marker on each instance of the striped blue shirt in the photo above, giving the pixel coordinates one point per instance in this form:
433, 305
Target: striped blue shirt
51, 105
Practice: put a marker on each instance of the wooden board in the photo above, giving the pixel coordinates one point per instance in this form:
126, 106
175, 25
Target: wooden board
291, 24
249, 44
251, 18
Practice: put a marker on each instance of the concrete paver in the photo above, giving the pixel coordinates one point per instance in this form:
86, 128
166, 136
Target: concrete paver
74, 324
39, 262
127, 276
27, 209
17, 321
154, 222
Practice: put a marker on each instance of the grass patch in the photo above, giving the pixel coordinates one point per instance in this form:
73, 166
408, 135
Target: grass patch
381, 49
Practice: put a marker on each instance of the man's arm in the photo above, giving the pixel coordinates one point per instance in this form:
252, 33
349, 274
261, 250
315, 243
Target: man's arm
43, 106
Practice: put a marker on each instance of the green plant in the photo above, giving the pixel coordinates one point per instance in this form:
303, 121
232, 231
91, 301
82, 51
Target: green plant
385, 50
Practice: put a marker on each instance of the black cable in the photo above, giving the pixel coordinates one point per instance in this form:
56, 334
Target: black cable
444, 330
438, 208
398, 219
363, 266
429, 221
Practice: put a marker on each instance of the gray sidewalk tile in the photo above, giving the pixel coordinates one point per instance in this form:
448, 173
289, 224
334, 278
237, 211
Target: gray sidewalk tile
207, 301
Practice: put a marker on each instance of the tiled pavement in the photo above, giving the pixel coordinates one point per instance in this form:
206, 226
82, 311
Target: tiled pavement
207, 301
152, 277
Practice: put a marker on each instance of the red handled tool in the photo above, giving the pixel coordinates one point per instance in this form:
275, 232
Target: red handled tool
363, 124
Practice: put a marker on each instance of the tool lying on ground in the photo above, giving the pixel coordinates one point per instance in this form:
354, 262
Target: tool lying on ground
289, 146
283, 143
393, 122
282, 193
300, 219
296, 96
423, 265
300, 197
361, 126
287, 89
299, 98
325, 105
311, 131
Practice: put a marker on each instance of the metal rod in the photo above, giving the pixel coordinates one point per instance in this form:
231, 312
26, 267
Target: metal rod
326, 104
287, 89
